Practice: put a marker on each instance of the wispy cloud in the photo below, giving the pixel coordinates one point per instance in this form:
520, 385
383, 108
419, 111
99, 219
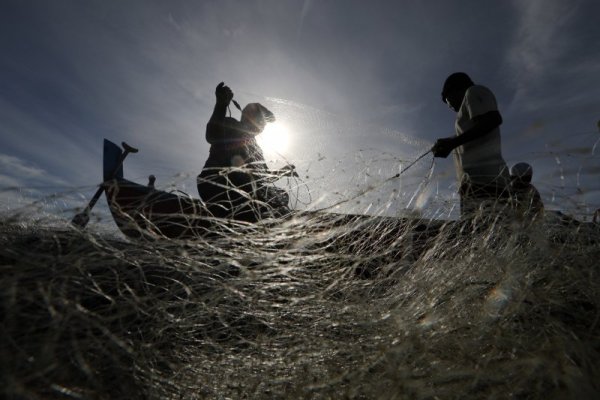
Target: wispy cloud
540, 36
305, 9
20, 167
23, 183
22, 173
8, 182
540, 46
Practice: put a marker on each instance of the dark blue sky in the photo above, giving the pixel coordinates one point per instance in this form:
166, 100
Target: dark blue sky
343, 76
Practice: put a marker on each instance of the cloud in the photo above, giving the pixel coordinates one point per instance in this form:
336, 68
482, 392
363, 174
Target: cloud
20, 167
8, 182
541, 53
21, 173
305, 9
540, 38
27, 190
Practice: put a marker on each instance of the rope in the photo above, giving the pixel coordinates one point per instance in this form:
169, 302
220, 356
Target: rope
369, 189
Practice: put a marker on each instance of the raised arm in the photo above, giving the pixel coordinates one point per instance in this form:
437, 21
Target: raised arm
216, 123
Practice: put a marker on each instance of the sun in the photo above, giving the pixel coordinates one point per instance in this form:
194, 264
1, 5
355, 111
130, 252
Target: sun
275, 138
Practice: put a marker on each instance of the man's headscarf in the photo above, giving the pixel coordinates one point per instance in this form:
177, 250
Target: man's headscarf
257, 115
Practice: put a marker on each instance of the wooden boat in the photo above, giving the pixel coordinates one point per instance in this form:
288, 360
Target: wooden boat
143, 211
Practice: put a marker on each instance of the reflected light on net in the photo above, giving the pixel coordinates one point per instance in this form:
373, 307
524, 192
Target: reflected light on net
275, 138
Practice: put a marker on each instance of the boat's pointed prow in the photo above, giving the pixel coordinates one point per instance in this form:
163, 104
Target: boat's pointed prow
112, 157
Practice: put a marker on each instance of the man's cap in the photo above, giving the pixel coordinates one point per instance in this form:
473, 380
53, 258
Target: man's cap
256, 112
456, 81
522, 171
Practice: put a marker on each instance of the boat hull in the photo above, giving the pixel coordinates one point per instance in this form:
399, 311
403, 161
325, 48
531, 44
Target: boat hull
141, 211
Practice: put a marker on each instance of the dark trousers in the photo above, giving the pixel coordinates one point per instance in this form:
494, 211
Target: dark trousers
228, 194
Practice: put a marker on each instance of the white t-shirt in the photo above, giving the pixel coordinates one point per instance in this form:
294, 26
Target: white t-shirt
481, 158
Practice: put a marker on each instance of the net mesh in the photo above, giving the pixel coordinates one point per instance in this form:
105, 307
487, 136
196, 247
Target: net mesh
321, 305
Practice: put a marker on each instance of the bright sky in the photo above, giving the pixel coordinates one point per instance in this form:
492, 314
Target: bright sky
341, 76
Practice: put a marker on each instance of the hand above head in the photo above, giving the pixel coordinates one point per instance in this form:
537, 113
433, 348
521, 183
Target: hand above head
224, 94
443, 147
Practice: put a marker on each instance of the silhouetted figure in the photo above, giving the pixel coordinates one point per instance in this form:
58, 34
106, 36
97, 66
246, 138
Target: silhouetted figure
151, 180
235, 181
525, 197
481, 169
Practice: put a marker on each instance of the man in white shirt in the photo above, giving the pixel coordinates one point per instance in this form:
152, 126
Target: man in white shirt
482, 172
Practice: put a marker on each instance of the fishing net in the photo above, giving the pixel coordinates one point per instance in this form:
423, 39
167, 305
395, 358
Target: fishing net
373, 291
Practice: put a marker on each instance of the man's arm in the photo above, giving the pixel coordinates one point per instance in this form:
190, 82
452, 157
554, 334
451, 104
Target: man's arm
483, 124
214, 128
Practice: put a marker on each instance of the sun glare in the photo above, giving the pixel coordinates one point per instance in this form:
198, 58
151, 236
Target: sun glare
275, 138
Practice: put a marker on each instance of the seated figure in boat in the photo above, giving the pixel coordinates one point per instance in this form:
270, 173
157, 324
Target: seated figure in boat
525, 197
235, 181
